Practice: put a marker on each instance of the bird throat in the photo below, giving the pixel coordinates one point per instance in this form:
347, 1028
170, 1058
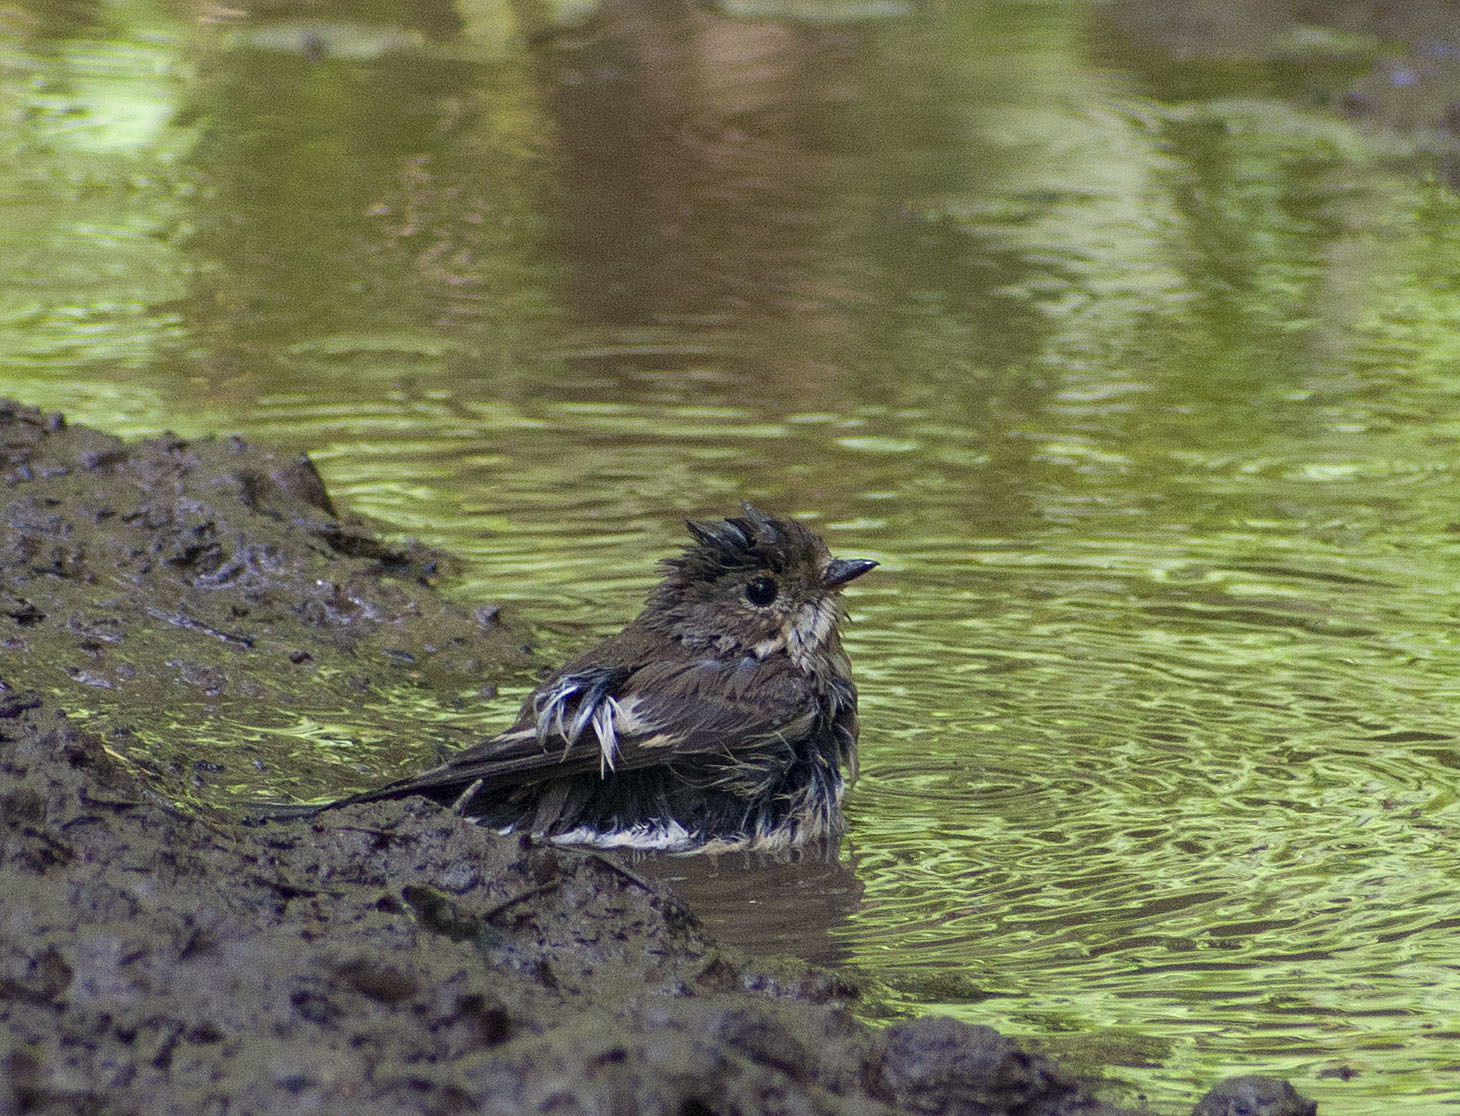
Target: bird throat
808, 629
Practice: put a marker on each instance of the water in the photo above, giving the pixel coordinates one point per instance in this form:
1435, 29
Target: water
1125, 341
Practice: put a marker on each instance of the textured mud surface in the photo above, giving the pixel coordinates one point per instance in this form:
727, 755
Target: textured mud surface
176, 592
380, 959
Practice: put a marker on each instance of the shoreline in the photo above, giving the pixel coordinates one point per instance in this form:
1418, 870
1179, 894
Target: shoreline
384, 958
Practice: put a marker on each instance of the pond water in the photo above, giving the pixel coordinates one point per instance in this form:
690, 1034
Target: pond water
1124, 336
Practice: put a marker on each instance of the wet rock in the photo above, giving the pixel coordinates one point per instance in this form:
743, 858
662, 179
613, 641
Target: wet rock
1254, 1096
939, 1065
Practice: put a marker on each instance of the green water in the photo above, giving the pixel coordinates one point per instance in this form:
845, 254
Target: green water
1126, 337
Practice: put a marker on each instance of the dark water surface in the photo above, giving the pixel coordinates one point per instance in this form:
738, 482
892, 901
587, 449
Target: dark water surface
1124, 336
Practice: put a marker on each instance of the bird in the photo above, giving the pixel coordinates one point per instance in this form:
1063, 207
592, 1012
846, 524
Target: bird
723, 717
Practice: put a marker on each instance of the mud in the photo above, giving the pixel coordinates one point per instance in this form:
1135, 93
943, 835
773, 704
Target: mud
175, 592
157, 957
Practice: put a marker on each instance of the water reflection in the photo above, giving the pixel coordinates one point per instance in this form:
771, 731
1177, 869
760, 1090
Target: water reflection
783, 905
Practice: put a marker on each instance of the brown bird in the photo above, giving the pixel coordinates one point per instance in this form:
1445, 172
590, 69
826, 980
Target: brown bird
722, 717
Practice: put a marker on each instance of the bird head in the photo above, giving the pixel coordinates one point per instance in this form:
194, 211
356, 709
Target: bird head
753, 585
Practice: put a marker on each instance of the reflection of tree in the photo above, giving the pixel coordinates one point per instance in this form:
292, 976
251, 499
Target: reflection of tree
939, 238
725, 172
89, 264
762, 207
351, 203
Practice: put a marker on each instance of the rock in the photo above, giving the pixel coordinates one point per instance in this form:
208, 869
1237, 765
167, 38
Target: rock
1254, 1096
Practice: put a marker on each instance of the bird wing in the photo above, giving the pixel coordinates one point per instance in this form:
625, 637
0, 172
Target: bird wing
602, 718
674, 709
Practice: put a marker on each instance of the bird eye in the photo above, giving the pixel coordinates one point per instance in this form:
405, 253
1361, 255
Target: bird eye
761, 591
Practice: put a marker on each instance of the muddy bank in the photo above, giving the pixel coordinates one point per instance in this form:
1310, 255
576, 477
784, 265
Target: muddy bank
390, 958
198, 601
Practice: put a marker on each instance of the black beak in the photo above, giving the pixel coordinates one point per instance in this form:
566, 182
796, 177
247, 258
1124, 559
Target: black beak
843, 570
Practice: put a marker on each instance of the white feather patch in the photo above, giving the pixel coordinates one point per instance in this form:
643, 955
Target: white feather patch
670, 837
603, 716
809, 627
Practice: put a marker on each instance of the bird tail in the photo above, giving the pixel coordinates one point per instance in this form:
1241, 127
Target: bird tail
287, 812
284, 812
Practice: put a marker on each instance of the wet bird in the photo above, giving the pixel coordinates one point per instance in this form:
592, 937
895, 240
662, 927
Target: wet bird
722, 717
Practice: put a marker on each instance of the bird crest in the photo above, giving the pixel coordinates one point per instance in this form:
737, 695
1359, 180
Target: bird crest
752, 541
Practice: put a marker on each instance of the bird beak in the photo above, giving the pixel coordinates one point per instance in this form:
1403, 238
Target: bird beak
843, 570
